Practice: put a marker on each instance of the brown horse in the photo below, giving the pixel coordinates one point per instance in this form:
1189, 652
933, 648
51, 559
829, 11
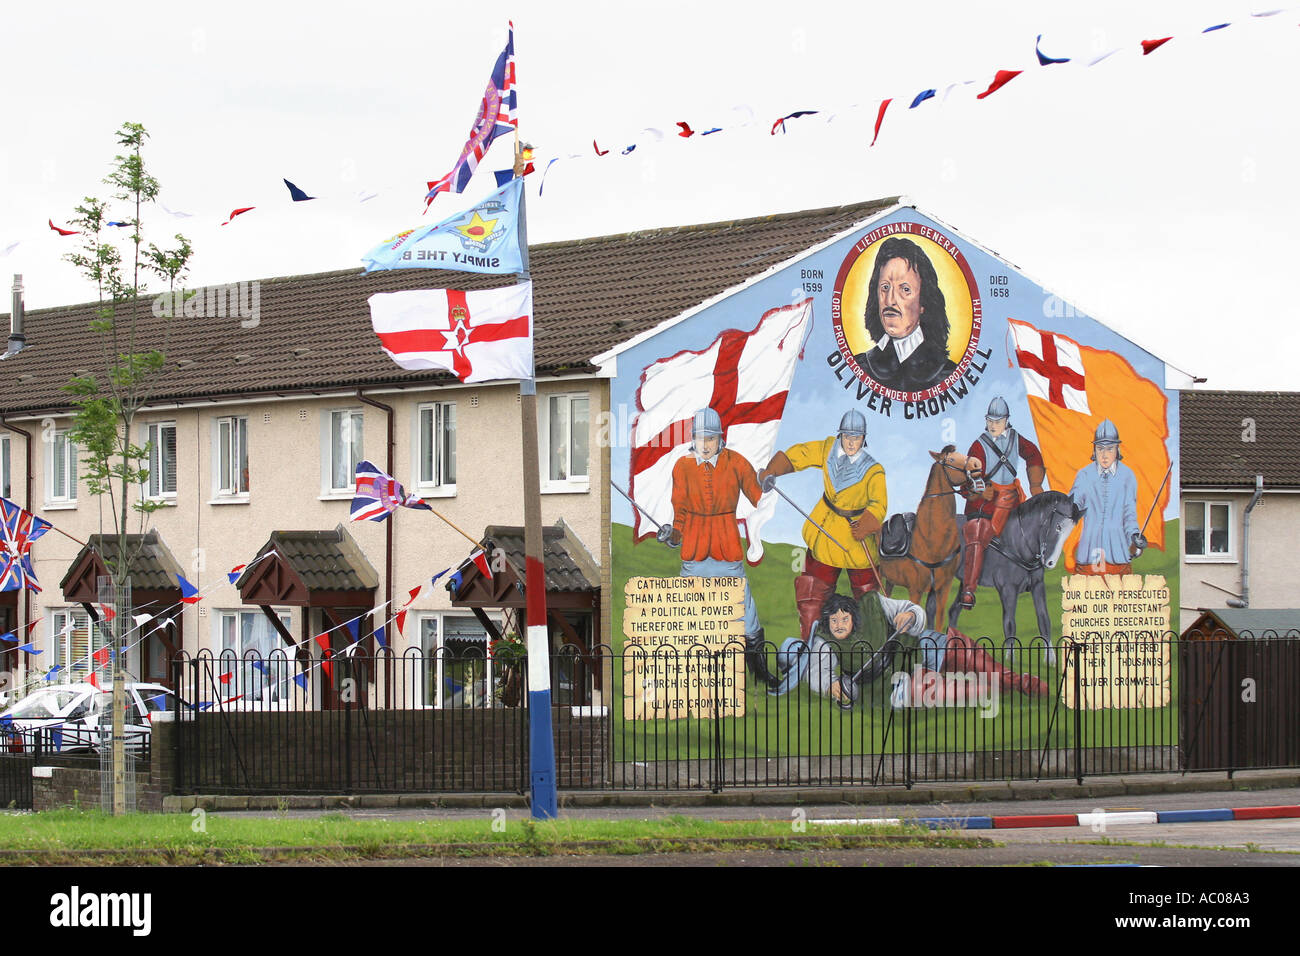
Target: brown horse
930, 565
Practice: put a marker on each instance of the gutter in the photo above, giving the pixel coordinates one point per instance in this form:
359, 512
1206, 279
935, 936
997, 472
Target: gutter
1244, 600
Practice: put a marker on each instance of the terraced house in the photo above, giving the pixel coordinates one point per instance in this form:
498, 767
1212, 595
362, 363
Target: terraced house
257, 423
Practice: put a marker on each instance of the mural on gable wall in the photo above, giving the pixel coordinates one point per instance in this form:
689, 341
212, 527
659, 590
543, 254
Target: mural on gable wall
898, 440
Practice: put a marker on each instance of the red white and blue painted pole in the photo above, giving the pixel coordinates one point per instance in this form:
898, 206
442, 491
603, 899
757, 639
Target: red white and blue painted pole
541, 742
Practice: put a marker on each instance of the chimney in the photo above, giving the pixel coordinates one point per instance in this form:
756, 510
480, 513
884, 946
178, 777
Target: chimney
16, 338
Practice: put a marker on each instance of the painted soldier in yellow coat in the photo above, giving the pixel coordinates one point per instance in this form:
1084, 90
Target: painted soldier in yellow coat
851, 510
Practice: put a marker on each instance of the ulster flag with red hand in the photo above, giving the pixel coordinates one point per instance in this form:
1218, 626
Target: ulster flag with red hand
477, 336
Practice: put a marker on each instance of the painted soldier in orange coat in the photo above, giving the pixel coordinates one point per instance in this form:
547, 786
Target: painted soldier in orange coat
707, 485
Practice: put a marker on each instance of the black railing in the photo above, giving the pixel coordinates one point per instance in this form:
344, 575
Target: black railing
948, 710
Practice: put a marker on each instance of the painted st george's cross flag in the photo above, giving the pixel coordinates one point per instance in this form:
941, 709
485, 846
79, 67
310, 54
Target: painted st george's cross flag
483, 238
1072, 389
18, 529
745, 377
496, 115
477, 336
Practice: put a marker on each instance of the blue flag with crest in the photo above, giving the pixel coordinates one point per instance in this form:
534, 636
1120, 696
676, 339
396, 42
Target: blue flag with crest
483, 238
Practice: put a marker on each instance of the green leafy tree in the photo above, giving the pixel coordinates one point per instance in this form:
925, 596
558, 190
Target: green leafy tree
108, 402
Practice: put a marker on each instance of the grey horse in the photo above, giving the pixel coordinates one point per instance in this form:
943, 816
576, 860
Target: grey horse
1019, 557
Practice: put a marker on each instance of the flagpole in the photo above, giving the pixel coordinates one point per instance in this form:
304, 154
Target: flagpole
541, 743
472, 541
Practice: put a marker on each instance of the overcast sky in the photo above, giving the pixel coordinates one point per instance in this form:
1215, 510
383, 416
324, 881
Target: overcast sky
1157, 193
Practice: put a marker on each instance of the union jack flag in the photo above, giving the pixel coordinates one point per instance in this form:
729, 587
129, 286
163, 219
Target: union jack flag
18, 529
378, 495
496, 115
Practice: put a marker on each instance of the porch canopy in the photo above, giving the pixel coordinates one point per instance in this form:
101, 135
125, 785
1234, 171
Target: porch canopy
1244, 624
572, 581
153, 572
310, 569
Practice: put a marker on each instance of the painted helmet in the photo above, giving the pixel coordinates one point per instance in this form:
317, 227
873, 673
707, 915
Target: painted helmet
998, 409
706, 423
1107, 434
853, 423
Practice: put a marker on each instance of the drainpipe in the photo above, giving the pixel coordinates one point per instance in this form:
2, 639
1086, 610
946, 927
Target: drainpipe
388, 530
1244, 600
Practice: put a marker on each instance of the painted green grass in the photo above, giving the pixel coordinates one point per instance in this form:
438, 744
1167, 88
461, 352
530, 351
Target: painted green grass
808, 724
70, 831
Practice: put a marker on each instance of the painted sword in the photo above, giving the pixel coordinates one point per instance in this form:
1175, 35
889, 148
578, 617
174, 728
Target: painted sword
829, 536
657, 525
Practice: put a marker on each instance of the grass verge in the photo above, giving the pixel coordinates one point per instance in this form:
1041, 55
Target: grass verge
90, 837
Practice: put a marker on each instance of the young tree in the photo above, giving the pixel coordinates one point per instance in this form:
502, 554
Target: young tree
133, 356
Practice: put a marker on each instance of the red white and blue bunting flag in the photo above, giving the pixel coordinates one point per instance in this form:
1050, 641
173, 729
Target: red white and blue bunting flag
1044, 59
880, 118
504, 117
1001, 79
296, 194
189, 593
238, 212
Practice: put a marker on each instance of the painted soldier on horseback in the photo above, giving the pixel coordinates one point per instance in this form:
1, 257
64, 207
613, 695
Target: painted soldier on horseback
995, 462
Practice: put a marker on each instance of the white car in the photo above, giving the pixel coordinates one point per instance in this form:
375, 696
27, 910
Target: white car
68, 717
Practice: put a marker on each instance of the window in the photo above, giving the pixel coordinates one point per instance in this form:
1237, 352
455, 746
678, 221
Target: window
62, 483
344, 450
248, 636
72, 643
230, 457
565, 434
4, 467
436, 445
457, 670
162, 460
1207, 530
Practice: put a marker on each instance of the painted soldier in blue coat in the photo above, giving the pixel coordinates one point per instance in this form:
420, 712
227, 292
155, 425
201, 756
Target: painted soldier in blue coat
1107, 491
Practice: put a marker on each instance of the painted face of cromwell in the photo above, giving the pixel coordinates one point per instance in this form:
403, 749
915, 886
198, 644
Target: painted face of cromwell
852, 444
900, 298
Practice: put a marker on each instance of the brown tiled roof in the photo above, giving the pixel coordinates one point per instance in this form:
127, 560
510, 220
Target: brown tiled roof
589, 295
1248, 622
325, 560
1215, 428
153, 567
568, 564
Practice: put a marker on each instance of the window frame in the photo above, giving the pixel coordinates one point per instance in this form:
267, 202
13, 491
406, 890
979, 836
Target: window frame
441, 699
225, 490
328, 489
61, 647
276, 690
69, 498
438, 487
1207, 556
148, 487
571, 483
